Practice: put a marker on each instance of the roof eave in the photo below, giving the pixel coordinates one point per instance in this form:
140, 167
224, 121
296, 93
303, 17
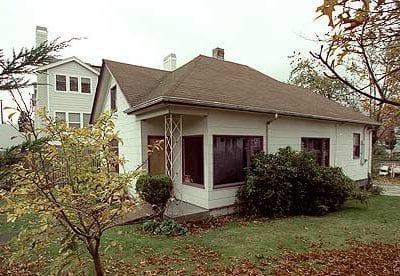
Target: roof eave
167, 99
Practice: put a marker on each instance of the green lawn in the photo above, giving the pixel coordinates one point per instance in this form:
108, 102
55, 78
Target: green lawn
378, 221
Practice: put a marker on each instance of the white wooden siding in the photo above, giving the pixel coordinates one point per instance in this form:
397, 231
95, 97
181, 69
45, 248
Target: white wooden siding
67, 100
129, 131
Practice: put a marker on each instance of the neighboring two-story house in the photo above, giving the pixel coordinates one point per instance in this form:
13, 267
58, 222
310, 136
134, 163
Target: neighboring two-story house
65, 88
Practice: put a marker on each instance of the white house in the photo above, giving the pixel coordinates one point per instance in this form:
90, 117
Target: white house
65, 88
214, 114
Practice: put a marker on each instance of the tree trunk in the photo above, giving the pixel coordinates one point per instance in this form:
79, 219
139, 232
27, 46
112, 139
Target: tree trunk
94, 252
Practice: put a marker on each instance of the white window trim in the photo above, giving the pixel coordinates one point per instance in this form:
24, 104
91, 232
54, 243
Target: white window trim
67, 87
67, 116
80, 85
69, 84
66, 83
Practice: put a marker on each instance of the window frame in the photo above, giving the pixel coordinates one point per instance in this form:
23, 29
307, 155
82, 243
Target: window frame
199, 185
90, 85
232, 184
328, 150
357, 156
75, 122
113, 95
67, 117
66, 83
69, 84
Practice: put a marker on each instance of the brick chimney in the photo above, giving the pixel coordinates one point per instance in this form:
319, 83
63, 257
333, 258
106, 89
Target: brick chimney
41, 35
218, 53
169, 62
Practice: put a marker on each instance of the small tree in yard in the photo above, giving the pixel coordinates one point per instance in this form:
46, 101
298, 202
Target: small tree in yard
65, 178
155, 190
68, 180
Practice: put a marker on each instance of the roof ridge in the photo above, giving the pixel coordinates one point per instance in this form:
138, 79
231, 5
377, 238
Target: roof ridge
224, 60
192, 62
134, 65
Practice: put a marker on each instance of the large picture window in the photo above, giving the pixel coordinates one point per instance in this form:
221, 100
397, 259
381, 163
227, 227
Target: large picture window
231, 155
318, 147
193, 160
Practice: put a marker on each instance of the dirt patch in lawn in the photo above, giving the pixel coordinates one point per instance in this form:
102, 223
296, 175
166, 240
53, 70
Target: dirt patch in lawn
214, 223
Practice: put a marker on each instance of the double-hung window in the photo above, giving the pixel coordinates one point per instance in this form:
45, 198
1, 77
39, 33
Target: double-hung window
356, 145
61, 83
85, 85
73, 84
74, 120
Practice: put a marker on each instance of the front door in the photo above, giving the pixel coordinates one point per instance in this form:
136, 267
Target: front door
156, 157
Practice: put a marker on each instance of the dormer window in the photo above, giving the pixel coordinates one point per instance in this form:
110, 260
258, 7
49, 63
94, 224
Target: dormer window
61, 83
113, 99
73, 84
85, 85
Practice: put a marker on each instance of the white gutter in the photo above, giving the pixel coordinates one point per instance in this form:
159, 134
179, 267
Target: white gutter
167, 99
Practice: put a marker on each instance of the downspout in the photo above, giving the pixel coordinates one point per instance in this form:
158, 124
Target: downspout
276, 116
363, 155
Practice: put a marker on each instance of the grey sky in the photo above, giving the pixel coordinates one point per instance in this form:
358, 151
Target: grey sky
258, 33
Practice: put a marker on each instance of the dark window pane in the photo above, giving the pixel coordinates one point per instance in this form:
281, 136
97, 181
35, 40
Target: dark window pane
193, 159
356, 145
113, 98
231, 155
73, 84
61, 83
85, 85
318, 148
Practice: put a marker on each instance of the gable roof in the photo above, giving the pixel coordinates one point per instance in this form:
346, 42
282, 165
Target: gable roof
210, 82
94, 69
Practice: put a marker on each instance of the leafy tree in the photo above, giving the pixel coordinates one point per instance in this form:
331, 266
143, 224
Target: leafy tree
67, 179
308, 73
362, 47
15, 71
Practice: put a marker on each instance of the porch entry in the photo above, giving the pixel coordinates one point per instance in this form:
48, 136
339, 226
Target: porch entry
182, 156
156, 158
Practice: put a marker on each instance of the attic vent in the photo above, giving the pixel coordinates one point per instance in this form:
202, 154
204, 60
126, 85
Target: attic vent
218, 53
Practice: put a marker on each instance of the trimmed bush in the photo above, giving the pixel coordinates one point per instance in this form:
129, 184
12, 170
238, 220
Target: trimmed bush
292, 183
155, 190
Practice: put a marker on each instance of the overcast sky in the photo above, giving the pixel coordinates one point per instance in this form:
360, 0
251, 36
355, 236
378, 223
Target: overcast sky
258, 33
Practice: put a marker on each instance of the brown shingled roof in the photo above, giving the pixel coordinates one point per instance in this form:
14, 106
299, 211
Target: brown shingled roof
211, 82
